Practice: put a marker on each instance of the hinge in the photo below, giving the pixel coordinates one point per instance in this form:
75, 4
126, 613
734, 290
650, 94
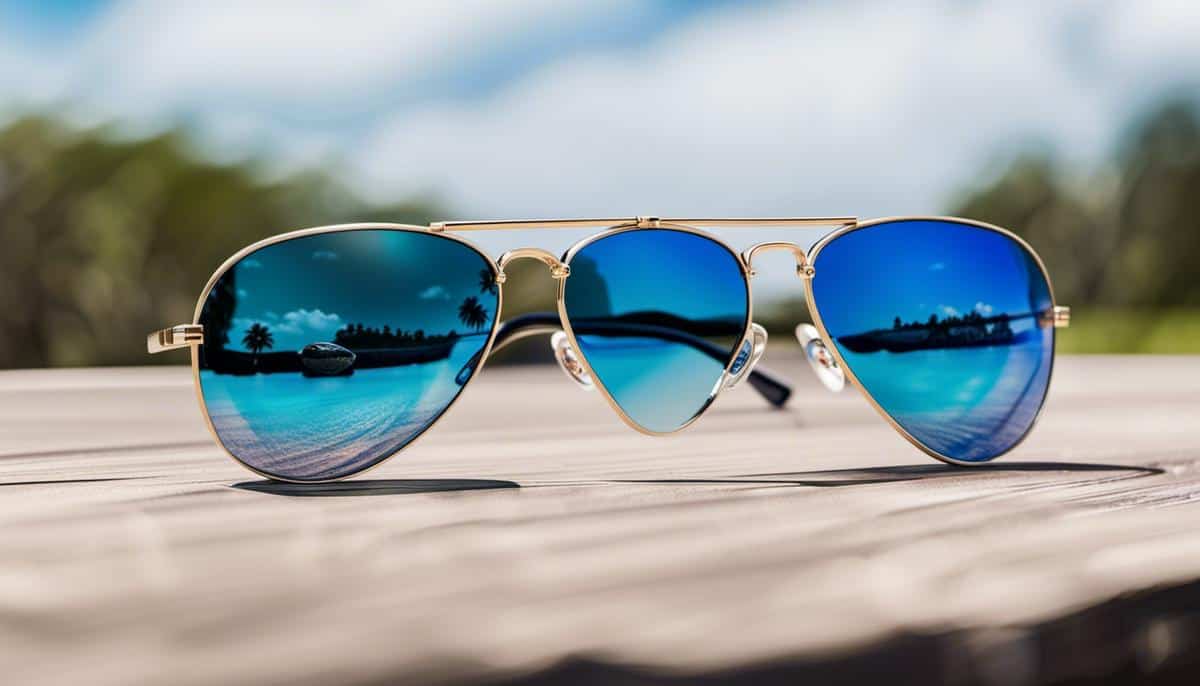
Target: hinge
179, 336
1062, 316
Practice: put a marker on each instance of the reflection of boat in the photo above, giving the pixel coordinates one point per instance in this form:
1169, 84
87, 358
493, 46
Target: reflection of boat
326, 359
973, 333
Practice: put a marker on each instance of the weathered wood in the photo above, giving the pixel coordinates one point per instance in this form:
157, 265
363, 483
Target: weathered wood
532, 536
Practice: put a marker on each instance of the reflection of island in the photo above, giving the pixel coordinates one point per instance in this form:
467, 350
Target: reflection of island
628, 324
359, 336
970, 331
354, 346
365, 347
431, 349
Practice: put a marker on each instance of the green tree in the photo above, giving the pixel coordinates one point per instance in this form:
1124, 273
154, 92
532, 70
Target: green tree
1123, 235
105, 239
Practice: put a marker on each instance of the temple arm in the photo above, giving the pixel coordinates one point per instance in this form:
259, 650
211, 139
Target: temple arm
172, 338
772, 388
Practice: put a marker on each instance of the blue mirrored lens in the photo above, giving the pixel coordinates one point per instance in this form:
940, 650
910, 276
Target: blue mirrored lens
945, 325
657, 314
326, 353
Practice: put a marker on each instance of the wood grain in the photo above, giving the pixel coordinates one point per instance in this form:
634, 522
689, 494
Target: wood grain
533, 538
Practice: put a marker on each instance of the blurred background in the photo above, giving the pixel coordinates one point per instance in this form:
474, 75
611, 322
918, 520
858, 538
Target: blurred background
142, 142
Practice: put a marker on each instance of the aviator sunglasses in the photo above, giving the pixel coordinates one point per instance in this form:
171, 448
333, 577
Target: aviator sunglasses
320, 353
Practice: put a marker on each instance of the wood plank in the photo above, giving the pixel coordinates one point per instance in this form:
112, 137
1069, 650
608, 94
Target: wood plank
533, 537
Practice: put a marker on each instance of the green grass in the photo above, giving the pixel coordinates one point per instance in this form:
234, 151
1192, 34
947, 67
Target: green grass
1112, 330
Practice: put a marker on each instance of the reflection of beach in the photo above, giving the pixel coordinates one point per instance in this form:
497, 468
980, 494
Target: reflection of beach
983, 385
310, 427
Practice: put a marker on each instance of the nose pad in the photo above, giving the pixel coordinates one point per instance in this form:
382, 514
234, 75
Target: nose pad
819, 357
569, 361
748, 355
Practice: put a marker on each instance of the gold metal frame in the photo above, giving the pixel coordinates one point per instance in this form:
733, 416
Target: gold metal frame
191, 335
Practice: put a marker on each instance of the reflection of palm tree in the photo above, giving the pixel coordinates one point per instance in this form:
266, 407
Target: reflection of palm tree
471, 313
258, 338
487, 282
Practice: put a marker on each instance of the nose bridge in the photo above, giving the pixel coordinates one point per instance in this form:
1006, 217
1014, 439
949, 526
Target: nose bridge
558, 269
803, 268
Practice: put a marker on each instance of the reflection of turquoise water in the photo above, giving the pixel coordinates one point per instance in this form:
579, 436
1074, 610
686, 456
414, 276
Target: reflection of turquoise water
310, 428
660, 385
969, 403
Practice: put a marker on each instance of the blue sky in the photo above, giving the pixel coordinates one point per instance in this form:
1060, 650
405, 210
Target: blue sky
529, 108
50, 18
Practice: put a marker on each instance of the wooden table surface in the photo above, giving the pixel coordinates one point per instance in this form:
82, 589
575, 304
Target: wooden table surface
533, 538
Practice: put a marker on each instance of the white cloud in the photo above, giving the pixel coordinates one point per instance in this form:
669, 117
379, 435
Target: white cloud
435, 292
811, 108
298, 321
295, 322
243, 69
808, 107
983, 308
816, 107
948, 311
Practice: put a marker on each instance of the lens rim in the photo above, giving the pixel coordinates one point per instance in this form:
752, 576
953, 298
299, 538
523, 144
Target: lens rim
338, 228
814, 311
565, 318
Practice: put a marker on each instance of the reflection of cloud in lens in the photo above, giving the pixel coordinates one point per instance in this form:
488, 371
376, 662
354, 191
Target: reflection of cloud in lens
324, 255
294, 322
937, 266
948, 310
311, 320
983, 308
250, 263
434, 293
242, 293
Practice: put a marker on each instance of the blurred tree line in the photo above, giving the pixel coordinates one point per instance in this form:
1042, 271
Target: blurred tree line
1127, 235
1121, 243
103, 240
